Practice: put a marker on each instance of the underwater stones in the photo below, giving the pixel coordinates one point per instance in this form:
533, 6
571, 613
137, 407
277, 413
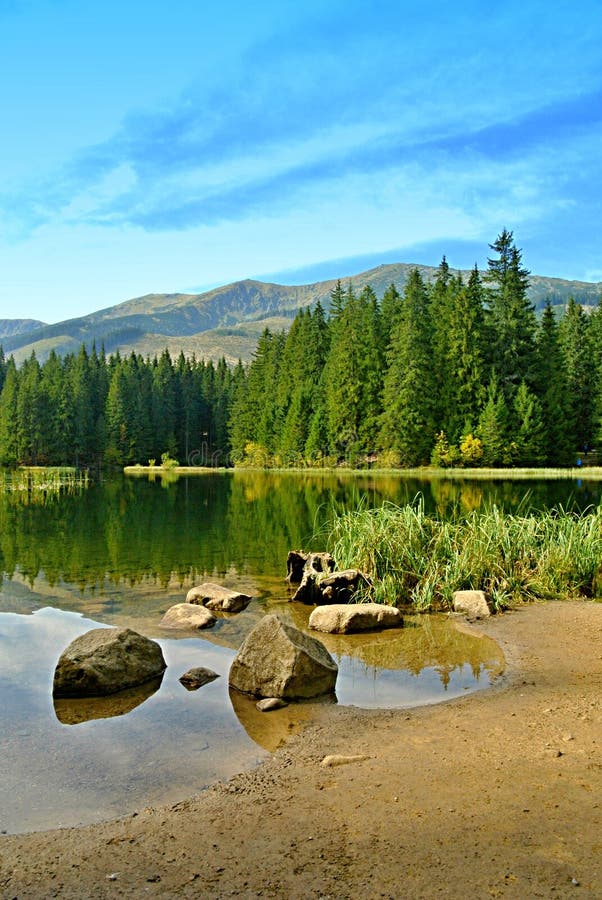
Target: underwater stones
473, 604
106, 660
187, 616
345, 618
278, 660
217, 597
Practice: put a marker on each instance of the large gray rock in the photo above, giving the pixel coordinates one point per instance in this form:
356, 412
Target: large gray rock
106, 660
187, 616
277, 660
472, 603
344, 618
217, 597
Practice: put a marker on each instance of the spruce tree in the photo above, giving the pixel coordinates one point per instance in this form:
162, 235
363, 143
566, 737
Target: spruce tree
390, 310
492, 427
54, 449
466, 365
552, 390
529, 429
3, 365
9, 451
29, 412
407, 423
353, 377
576, 353
512, 315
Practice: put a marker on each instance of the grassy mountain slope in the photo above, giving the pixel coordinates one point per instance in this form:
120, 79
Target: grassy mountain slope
10, 327
227, 320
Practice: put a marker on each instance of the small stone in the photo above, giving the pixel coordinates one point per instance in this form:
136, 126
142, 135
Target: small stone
195, 678
218, 597
112, 876
567, 737
187, 617
575, 882
270, 703
472, 603
345, 618
335, 759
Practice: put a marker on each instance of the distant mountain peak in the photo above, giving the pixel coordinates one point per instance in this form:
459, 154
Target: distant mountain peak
227, 320
10, 327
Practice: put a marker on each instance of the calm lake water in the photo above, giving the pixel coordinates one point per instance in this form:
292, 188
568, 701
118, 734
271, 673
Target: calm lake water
125, 550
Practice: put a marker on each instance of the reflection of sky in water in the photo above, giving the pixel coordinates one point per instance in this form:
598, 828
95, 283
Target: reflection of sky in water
175, 742
359, 685
170, 746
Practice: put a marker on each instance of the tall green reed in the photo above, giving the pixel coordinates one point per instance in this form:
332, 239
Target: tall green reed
419, 560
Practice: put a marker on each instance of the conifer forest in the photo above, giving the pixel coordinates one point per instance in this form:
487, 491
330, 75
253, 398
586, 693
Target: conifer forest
457, 372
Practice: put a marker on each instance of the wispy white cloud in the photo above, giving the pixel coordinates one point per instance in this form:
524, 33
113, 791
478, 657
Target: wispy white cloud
339, 132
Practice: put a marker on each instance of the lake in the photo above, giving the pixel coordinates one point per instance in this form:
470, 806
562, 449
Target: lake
122, 552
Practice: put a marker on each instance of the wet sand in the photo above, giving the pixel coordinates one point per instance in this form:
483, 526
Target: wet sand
497, 794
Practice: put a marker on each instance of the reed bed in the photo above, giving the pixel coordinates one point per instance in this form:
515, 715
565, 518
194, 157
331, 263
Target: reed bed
417, 560
43, 480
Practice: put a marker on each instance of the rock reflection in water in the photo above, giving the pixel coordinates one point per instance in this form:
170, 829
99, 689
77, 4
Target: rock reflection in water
74, 711
272, 729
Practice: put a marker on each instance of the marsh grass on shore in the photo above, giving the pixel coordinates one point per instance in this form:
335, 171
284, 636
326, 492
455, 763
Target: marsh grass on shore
418, 560
42, 480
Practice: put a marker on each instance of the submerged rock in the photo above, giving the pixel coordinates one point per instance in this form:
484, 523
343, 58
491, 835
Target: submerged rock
106, 660
472, 603
277, 660
217, 597
188, 616
195, 678
344, 618
270, 703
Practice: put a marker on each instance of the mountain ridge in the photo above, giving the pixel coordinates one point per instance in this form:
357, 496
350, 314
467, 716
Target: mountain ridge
227, 320
10, 327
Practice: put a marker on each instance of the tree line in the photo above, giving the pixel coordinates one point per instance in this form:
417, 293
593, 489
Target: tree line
455, 372
87, 410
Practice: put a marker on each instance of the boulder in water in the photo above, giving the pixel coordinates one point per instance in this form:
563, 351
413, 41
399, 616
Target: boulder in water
106, 660
278, 660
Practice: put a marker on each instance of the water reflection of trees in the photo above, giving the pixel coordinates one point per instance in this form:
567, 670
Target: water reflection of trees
134, 529
424, 642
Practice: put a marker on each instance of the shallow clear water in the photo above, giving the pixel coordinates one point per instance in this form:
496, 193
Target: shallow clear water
122, 553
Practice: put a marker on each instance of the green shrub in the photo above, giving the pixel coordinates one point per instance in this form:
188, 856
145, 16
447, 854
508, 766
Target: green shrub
167, 462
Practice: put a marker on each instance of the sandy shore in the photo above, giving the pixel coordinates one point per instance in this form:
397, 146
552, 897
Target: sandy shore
498, 794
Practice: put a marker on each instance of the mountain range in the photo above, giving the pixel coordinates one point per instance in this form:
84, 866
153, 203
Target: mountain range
228, 320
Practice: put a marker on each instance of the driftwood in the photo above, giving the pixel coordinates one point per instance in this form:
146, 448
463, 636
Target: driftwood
318, 582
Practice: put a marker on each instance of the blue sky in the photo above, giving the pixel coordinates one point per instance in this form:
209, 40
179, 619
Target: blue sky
155, 147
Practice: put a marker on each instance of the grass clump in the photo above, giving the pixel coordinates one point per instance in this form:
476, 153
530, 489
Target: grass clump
43, 480
417, 560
